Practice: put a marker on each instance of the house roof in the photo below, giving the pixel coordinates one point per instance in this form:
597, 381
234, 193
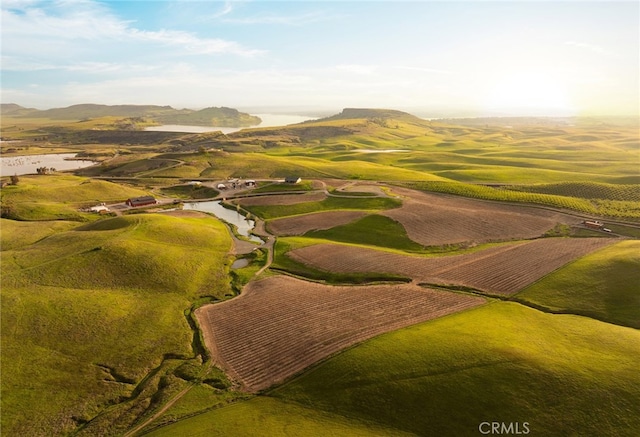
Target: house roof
143, 200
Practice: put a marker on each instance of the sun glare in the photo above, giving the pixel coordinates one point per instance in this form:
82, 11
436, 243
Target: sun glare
529, 94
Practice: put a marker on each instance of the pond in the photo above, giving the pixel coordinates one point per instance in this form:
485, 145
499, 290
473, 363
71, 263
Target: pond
28, 164
240, 263
214, 207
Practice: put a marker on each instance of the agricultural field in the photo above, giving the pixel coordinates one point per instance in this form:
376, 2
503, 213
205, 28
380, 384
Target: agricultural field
434, 220
301, 224
504, 269
499, 362
424, 276
281, 325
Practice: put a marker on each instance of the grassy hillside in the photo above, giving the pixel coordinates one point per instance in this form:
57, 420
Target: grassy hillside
57, 197
374, 230
93, 319
328, 204
502, 362
16, 234
605, 285
274, 418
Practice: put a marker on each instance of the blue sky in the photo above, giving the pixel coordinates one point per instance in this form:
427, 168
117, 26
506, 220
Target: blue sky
438, 58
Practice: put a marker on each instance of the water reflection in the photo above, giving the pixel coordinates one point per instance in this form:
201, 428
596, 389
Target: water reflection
214, 207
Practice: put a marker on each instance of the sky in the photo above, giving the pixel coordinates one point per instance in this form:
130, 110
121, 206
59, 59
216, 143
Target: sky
446, 58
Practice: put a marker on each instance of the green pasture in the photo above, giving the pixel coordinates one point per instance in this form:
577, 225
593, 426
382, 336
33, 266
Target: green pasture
502, 362
93, 318
374, 230
15, 234
604, 285
271, 417
54, 197
330, 203
127, 252
276, 187
55, 340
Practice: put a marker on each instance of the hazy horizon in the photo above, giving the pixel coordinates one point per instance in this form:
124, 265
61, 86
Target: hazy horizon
433, 59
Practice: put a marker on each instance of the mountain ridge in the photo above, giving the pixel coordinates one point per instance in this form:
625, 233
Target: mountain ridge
210, 116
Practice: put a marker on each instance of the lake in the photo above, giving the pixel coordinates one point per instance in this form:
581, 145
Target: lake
214, 207
268, 120
28, 164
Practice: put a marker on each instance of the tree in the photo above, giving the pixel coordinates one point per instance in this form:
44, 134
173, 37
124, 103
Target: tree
15, 179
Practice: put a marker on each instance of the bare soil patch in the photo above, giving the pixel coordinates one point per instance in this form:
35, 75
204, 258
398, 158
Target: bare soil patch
433, 220
504, 269
282, 199
299, 225
280, 325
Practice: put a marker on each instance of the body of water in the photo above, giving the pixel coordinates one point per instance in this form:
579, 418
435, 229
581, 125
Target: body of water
214, 207
28, 164
268, 120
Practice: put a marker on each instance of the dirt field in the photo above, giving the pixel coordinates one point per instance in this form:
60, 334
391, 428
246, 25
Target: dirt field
432, 219
503, 269
282, 199
298, 225
280, 325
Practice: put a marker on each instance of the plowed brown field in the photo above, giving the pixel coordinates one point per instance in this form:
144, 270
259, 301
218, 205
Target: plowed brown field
503, 269
280, 325
299, 225
433, 219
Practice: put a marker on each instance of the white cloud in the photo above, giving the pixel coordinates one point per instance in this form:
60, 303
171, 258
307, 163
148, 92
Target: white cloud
36, 33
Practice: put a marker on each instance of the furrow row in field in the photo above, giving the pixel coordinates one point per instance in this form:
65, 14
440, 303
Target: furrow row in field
432, 219
503, 269
299, 225
282, 325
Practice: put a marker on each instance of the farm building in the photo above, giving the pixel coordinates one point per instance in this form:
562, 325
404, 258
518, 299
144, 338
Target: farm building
593, 224
100, 209
292, 180
221, 187
141, 201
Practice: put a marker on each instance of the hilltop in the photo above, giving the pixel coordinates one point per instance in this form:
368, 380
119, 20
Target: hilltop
211, 116
369, 113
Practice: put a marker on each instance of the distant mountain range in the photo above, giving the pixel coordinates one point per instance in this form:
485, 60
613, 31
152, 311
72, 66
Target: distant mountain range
221, 116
